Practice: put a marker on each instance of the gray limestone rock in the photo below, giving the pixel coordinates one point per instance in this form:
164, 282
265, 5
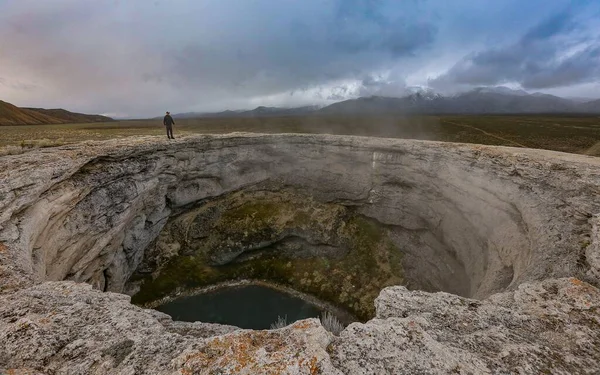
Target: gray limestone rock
516, 228
69, 328
551, 327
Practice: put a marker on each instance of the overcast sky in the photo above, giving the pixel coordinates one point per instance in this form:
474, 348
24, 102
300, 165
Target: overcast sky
142, 57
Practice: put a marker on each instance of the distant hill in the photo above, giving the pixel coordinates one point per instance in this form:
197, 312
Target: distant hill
472, 102
375, 105
70, 117
482, 100
591, 107
275, 111
256, 112
13, 115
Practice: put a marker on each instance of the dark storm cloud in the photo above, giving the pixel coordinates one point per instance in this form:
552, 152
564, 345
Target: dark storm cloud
319, 44
559, 51
362, 25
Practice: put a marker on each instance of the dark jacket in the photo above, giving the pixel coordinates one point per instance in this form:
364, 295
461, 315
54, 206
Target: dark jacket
168, 120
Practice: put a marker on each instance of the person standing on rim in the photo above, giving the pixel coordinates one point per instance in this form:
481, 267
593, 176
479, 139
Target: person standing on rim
169, 122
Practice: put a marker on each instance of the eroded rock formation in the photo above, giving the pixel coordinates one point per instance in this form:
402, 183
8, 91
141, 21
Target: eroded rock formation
469, 220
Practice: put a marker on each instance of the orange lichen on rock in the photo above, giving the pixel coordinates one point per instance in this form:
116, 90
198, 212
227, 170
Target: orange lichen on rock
582, 286
22, 371
257, 352
314, 368
302, 324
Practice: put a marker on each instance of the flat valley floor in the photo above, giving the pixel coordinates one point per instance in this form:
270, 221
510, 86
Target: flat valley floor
568, 133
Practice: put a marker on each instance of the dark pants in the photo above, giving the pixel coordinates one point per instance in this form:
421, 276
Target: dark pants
169, 131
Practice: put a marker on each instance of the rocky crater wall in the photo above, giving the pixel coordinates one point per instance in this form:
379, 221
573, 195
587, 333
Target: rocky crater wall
464, 219
468, 220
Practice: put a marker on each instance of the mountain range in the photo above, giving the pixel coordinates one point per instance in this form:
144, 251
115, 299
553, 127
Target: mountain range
483, 100
261, 111
13, 115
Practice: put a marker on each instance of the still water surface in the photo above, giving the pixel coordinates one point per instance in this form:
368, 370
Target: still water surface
251, 307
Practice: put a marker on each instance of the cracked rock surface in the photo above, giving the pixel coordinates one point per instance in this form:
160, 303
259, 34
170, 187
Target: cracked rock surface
516, 228
544, 327
551, 327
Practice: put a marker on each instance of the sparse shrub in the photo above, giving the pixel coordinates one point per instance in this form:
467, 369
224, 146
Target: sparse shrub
11, 150
45, 142
585, 243
29, 144
41, 143
331, 323
280, 323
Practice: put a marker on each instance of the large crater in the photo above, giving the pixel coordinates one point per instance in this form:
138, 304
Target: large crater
336, 217
439, 217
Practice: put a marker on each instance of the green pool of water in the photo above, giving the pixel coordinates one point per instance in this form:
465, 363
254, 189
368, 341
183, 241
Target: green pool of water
251, 307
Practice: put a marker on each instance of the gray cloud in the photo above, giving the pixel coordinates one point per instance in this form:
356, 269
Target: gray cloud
380, 86
361, 25
132, 56
17, 85
354, 37
139, 58
557, 52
